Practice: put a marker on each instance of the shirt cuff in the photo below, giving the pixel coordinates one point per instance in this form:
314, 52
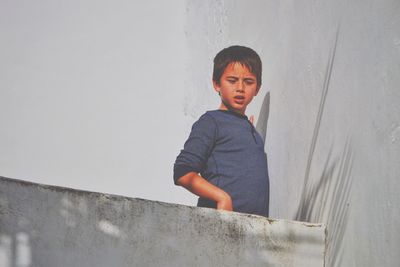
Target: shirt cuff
181, 170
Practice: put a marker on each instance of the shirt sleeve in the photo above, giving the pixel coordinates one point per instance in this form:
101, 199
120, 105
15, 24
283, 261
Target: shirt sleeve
197, 148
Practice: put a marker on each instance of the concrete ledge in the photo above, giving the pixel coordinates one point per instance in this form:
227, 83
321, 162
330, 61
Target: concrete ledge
53, 226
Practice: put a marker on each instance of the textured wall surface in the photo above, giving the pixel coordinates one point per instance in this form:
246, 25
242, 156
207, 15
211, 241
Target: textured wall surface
53, 226
77, 107
332, 102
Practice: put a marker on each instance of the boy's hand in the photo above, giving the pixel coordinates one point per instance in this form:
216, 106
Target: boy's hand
251, 119
201, 187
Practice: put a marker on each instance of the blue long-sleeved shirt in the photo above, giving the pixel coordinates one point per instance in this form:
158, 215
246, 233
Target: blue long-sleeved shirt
227, 151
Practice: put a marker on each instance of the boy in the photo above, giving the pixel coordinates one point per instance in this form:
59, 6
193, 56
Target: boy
224, 146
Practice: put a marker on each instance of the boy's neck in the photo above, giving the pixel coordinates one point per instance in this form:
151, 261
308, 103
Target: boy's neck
236, 113
228, 108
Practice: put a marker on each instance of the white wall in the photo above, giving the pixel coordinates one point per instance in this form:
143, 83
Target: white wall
91, 94
73, 78
333, 138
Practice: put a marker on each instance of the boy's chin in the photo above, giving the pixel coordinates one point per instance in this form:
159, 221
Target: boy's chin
234, 107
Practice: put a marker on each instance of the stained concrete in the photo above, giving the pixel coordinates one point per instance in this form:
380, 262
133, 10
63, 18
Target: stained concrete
53, 226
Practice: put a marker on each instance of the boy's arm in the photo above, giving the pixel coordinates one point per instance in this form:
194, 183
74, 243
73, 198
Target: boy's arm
201, 187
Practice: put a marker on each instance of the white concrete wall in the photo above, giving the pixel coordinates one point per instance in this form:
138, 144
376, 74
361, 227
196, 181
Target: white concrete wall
71, 75
332, 103
91, 94
53, 226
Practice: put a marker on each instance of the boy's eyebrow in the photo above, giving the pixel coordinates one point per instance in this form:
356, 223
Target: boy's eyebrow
235, 77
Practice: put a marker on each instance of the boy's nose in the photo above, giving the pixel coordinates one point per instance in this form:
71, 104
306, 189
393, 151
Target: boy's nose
240, 86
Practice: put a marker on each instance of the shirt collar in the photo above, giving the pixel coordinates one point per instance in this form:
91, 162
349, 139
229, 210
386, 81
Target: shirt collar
233, 113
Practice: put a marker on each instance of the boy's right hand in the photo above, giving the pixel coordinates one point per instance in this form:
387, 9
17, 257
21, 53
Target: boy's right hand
201, 187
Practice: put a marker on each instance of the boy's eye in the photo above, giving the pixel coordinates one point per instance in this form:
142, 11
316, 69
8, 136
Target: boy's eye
231, 80
249, 82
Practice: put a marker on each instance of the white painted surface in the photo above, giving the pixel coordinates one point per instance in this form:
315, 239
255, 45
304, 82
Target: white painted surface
333, 139
70, 73
91, 94
120, 231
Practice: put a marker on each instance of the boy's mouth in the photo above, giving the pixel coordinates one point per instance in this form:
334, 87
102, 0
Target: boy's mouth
239, 99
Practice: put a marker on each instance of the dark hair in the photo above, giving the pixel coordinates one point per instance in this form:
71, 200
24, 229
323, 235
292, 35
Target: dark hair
241, 54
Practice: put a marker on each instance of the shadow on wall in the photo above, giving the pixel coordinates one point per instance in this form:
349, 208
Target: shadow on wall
263, 116
327, 199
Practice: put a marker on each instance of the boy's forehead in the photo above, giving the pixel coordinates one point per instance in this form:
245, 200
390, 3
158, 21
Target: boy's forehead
238, 68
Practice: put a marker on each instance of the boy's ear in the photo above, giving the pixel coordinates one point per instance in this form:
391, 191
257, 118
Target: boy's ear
257, 90
216, 86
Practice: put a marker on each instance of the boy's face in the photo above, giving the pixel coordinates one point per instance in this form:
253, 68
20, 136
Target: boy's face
237, 87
